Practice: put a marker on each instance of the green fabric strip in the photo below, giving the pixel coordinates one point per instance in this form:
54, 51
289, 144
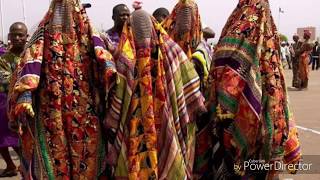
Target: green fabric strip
44, 151
101, 155
287, 114
247, 47
268, 123
225, 100
240, 140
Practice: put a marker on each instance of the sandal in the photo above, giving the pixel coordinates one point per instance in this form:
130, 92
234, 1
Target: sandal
9, 173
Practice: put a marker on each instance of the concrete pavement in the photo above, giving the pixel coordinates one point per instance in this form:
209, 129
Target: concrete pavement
305, 106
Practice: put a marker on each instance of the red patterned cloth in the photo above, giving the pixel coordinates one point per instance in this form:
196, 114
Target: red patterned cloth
64, 77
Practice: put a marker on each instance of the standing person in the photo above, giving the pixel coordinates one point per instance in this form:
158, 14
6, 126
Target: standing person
202, 60
18, 35
150, 122
304, 53
120, 14
202, 57
248, 98
184, 26
58, 95
315, 56
283, 54
288, 55
161, 14
295, 60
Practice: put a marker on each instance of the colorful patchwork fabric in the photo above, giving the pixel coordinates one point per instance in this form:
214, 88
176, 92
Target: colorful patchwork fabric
248, 98
64, 75
150, 123
185, 15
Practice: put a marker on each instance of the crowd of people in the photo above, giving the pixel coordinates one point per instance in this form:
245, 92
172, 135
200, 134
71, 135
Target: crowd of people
149, 98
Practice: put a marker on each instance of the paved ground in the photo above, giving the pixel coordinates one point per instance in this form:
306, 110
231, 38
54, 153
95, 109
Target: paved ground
306, 108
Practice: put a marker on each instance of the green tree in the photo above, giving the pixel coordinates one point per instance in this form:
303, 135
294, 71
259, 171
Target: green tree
283, 38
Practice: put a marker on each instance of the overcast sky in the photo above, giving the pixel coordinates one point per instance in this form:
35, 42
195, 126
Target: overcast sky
214, 13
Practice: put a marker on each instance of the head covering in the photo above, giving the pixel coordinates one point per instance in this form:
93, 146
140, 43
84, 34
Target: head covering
157, 85
248, 91
295, 35
307, 33
137, 5
184, 26
208, 32
64, 75
160, 14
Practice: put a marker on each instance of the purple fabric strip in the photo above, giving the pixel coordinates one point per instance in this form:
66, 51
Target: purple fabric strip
7, 137
289, 157
252, 100
98, 42
2, 51
227, 61
31, 68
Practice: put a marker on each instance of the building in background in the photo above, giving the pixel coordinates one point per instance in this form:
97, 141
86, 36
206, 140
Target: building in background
313, 31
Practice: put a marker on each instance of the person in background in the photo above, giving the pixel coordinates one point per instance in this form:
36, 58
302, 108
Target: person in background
304, 57
18, 35
161, 14
315, 56
120, 14
295, 60
283, 54
288, 55
202, 57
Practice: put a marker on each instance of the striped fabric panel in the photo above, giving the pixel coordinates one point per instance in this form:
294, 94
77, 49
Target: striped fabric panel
176, 98
185, 91
120, 98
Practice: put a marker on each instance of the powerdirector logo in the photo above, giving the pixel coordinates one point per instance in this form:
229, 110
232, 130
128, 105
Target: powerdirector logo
309, 164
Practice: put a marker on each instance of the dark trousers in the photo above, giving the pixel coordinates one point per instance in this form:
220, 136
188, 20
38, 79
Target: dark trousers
315, 63
289, 61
